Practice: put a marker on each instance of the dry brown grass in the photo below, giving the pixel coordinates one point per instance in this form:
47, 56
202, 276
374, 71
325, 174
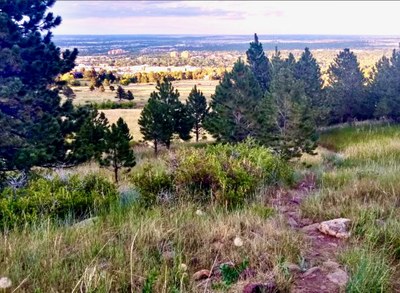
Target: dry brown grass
142, 91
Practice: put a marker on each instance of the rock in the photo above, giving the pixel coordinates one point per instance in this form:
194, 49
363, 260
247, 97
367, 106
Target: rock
5, 283
238, 242
292, 222
338, 228
293, 268
200, 213
330, 265
86, 222
338, 277
269, 287
311, 271
183, 267
202, 274
310, 228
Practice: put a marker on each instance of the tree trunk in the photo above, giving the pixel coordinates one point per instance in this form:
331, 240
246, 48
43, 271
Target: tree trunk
155, 147
168, 145
116, 173
197, 132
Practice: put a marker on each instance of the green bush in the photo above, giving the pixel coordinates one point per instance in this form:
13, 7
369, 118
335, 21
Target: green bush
226, 174
152, 181
114, 105
56, 199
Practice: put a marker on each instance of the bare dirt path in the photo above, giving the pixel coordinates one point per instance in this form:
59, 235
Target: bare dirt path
319, 271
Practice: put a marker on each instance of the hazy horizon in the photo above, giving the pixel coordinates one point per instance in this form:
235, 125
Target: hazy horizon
339, 18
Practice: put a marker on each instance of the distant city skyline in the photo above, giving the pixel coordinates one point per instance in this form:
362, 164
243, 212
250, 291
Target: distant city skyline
228, 17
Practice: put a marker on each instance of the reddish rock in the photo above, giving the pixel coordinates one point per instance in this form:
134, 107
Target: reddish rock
201, 275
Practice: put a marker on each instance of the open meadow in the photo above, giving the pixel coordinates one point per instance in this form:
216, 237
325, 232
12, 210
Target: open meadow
160, 244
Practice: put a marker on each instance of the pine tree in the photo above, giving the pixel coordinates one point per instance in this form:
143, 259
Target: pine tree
259, 64
308, 71
165, 115
129, 96
120, 93
198, 108
90, 140
118, 153
346, 91
31, 115
287, 124
234, 115
385, 87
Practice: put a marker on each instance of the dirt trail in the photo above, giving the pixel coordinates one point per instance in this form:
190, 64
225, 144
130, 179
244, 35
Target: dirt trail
320, 272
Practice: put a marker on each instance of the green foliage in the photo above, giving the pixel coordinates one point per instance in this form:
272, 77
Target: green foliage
90, 140
347, 91
117, 151
197, 107
165, 115
152, 182
234, 116
288, 123
56, 198
149, 282
228, 175
112, 105
259, 64
121, 94
385, 89
230, 274
308, 71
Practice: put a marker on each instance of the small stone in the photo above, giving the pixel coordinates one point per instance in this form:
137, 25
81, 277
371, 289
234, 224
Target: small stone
238, 242
338, 277
338, 228
202, 274
311, 271
183, 267
200, 213
330, 265
292, 222
5, 283
293, 268
86, 223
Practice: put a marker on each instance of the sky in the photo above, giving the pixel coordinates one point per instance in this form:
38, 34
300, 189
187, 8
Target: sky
228, 17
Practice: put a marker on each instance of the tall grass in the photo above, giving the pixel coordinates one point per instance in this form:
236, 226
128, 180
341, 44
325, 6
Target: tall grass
362, 183
132, 247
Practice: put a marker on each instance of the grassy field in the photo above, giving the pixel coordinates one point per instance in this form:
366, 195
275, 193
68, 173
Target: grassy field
131, 248
361, 182
142, 92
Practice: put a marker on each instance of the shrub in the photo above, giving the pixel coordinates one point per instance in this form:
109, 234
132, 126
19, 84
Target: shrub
114, 105
153, 181
55, 198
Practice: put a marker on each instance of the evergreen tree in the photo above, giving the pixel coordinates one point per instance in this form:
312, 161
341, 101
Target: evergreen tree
259, 63
31, 115
197, 106
120, 93
346, 91
308, 71
129, 96
156, 123
234, 115
385, 87
118, 153
90, 141
164, 116
287, 123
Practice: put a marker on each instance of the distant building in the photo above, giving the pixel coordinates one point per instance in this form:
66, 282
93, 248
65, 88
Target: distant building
185, 54
116, 52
